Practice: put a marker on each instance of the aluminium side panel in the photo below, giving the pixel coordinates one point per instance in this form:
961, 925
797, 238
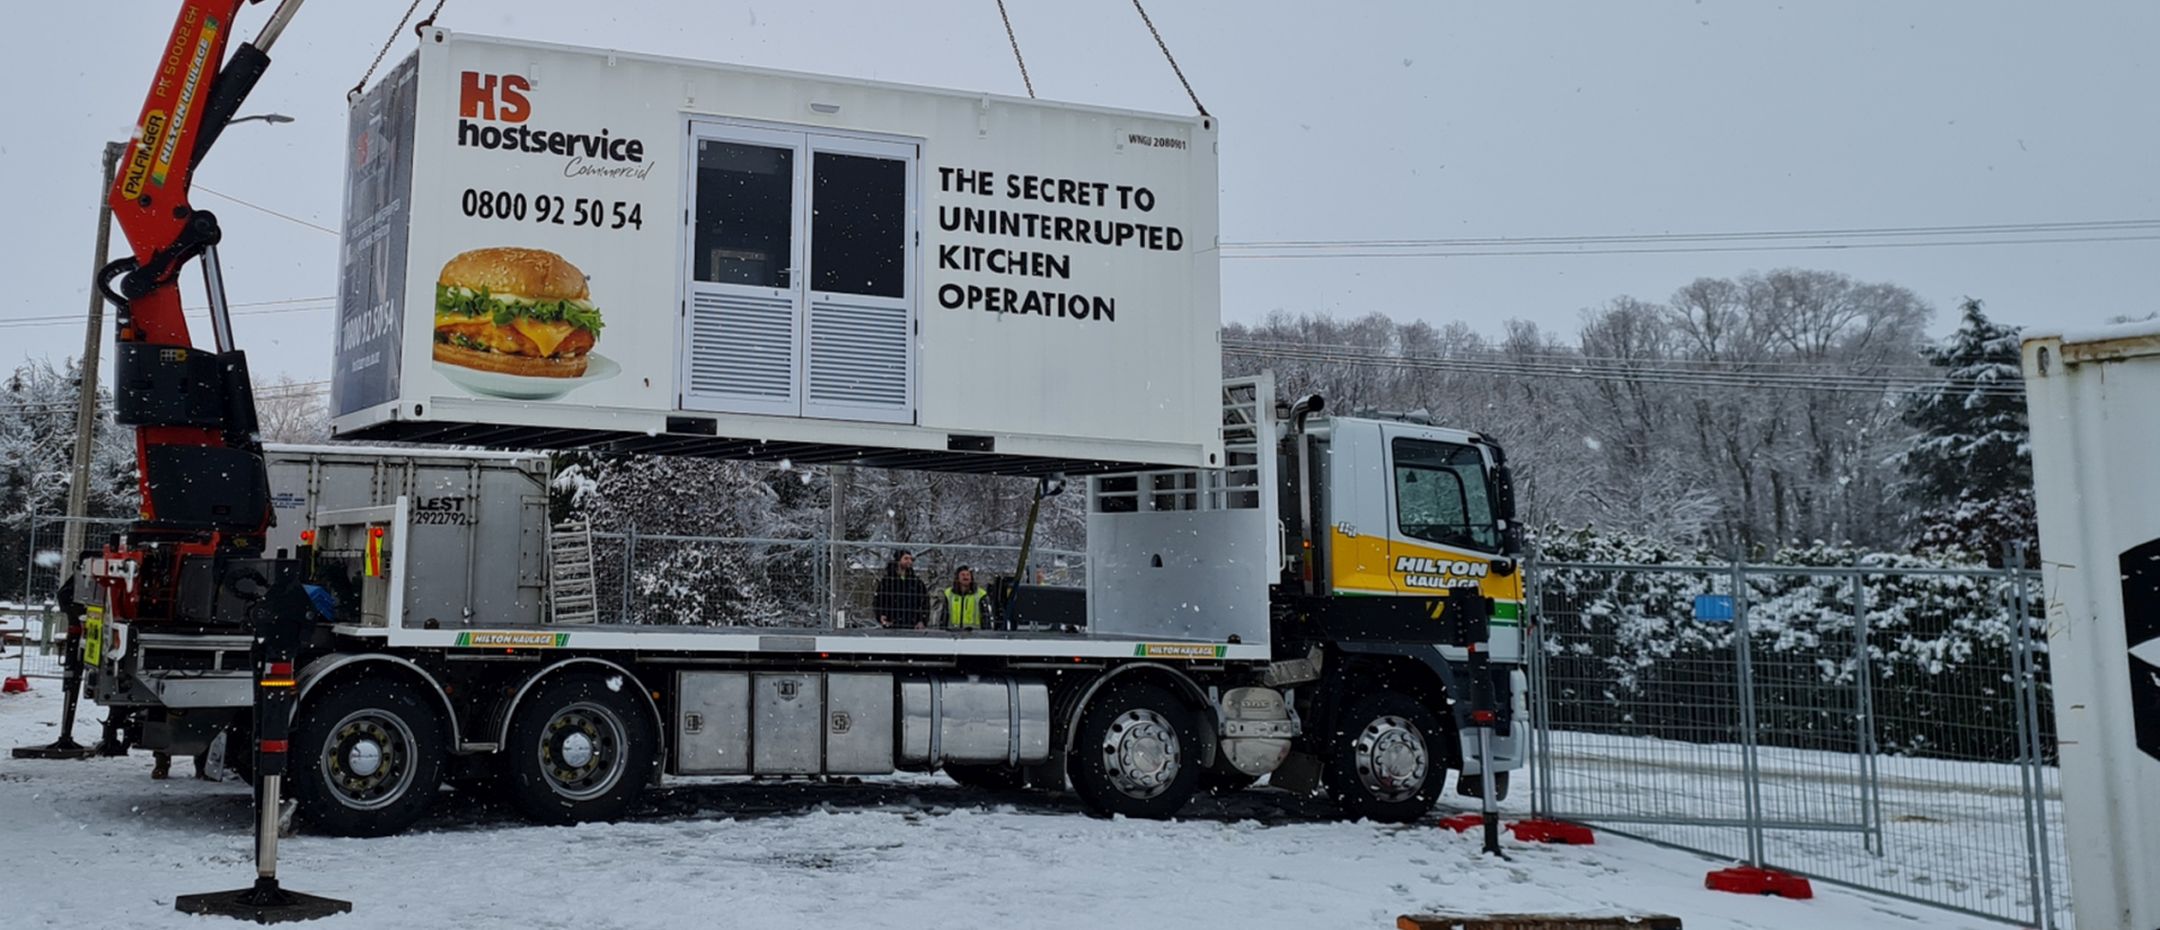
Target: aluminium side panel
788, 723
479, 543
2094, 400
1190, 557
712, 723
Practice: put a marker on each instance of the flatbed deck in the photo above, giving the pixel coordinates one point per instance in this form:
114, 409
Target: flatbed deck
812, 641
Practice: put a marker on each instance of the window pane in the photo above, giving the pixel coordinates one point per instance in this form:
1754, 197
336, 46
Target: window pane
1441, 495
858, 225
745, 211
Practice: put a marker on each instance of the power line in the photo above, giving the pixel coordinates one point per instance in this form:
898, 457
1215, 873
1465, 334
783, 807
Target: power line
286, 305
1728, 379
1723, 378
273, 391
1827, 233
1228, 255
262, 209
1918, 371
1717, 381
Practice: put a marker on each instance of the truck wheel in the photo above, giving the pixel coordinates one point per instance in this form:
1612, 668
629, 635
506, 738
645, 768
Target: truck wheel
579, 750
366, 758
1136, 752
996, 778
1382, 765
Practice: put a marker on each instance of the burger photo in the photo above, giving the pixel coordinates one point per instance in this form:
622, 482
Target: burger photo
514, 311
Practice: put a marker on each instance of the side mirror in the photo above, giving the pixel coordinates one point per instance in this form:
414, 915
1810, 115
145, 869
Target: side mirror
1503, 480
1512, 541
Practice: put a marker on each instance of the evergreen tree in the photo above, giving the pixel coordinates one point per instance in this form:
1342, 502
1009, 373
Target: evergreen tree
1970, 465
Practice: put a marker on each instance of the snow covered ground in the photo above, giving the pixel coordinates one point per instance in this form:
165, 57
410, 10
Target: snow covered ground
97, 843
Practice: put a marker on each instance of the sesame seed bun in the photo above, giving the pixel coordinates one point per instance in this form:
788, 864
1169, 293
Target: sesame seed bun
535, 273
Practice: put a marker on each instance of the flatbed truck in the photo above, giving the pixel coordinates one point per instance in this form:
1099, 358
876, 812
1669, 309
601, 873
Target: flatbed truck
1282, 616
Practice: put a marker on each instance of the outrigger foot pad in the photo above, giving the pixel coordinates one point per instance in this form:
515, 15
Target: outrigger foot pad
265, 903
60, 749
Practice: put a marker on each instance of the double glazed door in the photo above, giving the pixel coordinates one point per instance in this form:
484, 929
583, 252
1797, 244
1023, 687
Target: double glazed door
801, 294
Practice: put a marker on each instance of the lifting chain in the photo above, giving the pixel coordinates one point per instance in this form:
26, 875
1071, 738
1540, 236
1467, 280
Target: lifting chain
419, 27
1165, 46
1015, 40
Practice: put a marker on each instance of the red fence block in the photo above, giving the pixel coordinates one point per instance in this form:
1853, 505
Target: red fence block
1537, 830
1751, 880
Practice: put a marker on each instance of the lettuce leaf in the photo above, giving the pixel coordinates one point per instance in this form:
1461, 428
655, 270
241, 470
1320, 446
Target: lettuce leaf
475, 303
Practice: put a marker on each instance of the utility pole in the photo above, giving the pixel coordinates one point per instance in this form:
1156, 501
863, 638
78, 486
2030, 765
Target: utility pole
78, 502
79, 483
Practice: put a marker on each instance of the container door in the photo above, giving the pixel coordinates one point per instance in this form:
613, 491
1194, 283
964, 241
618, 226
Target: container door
859, 356
741, 309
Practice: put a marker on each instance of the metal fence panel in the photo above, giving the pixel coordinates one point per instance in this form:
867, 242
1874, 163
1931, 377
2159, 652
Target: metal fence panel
32, 631
740, 581
1882, 726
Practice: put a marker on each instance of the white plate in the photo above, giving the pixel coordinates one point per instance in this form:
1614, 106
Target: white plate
528, 387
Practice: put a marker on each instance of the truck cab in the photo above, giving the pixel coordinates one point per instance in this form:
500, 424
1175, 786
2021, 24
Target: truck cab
1400, 507
1373, 524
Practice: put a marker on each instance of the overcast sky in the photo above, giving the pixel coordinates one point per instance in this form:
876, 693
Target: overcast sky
1341, 121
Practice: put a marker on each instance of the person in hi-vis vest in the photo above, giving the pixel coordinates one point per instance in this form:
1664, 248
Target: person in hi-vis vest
962, 606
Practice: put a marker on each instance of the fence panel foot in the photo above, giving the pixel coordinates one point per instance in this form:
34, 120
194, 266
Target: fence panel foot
1536, 922
1537, 830
1750, 880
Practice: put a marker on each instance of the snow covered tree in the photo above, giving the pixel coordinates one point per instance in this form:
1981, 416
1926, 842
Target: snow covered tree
1971, 462
37, 449
292, 411
1659, 422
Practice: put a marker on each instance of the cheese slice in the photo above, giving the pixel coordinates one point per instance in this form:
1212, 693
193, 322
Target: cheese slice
544, 335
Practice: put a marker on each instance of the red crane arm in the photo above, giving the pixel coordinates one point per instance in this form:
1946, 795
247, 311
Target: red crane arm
205, 491
180, 397
149, 196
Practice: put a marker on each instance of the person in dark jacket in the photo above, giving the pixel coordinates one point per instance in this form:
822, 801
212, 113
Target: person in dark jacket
902, 602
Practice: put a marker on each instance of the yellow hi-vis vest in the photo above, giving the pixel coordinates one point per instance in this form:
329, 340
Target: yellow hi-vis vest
964, 611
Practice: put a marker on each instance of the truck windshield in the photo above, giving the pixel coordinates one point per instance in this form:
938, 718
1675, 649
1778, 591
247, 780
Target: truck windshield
1441, 494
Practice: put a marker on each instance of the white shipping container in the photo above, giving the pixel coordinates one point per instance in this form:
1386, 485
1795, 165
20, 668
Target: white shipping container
2094, 399
549, 246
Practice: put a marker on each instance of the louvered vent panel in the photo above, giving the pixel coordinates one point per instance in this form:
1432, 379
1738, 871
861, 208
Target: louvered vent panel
742, 347
858, 362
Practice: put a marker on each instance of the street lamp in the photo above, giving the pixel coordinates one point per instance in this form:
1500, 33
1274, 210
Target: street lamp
265, 117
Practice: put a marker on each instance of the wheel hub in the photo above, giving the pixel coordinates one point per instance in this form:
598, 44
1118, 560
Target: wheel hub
364, 758
1391, 758
1141, 753
581, 751
577, 750
367, 761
